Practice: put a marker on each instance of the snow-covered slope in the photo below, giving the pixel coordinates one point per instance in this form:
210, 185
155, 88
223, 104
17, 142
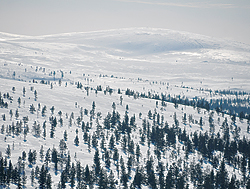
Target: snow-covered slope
169, 55
91, 77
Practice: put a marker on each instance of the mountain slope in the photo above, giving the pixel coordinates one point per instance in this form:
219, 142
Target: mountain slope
137, 107
171, 55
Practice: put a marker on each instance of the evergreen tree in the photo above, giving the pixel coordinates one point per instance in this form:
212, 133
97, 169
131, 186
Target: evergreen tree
17, 114
87, 175
107, 159
138, 152
48, 182
103, 182
32, 109
78, 171
65, 135
42, 178
63, 179
8, 151
76, 141
44, 110
24, 179
32, 177
41, 153
222, 175
24, 91
169, 183
72, 175
97, 164
37, 172
47, 157
161, 175
54, 158
112, 142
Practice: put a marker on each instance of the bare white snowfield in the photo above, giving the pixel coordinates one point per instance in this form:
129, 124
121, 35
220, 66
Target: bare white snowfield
64, 71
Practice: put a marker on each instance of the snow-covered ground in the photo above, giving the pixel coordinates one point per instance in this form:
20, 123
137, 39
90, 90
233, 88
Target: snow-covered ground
141, 59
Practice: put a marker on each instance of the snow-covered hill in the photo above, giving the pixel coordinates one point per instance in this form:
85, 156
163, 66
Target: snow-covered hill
155, 90
145, 52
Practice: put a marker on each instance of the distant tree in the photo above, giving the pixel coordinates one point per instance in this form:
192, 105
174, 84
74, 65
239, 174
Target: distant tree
17, 114
19, 102
52, 109
85, 112
63, 179
87, 175
47, 157
32, 177
44, 111
24, 179
48, 181
138, 152
116, 155
24, 91
97, 164
11, 114
30, 157
112, 142
72, 175
37, 172
42, 177
54, 157
107, 159
35, 93
150, 114
41, 153
62, 146
233, 118
222, 176
60, 113
8, 151
169, 182
121, 99
65, 135
32, 109
76, 140
201, 122
4, 117
44, 129
24, 155
79, 172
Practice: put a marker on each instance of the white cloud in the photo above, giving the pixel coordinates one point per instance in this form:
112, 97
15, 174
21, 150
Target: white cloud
188, 5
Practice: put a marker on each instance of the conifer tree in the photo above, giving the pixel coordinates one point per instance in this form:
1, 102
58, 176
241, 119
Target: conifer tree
8, 151
76, 141
41, 153
32, 177
97, 164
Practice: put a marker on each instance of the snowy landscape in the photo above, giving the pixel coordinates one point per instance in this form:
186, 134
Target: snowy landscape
124, 108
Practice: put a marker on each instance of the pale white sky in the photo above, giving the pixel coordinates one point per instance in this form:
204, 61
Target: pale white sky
219, 18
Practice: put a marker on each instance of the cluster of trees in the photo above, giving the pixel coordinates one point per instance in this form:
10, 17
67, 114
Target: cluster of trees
16, 174
2, 103
113, 168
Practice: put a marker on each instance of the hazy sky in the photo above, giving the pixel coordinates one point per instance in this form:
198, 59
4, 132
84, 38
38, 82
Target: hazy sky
219, 18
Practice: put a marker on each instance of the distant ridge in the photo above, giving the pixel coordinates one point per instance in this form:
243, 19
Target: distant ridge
150, 40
